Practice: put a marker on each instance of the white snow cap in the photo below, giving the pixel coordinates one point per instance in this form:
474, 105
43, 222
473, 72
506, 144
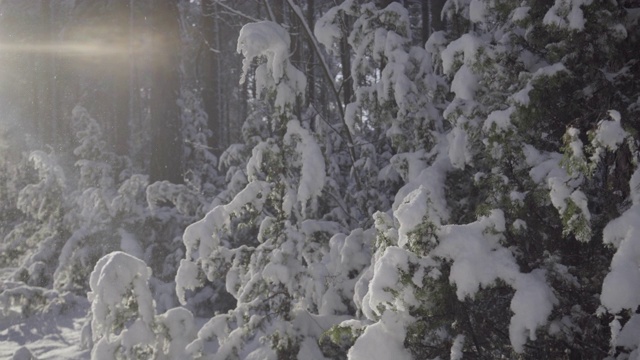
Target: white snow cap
327, 28
621, 287
270, 40
610, 133
467, 44
264, 38
574, 18
457, 347
116, 277
477, 11
382, 340
312, 162
479, 260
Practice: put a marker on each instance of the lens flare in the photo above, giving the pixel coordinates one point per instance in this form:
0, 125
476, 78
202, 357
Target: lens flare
67, 48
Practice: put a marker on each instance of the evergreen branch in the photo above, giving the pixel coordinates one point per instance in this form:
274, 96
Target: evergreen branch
336, 94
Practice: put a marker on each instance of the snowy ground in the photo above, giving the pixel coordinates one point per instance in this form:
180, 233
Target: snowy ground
47, 338
50, 334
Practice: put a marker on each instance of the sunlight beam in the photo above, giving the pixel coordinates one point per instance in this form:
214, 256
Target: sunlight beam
68, 48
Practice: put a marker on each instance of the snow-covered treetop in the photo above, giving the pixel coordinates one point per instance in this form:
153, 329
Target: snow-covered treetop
270, 40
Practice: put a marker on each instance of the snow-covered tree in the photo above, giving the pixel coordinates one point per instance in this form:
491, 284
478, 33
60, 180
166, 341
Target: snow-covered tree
31, 244
124, 324
495, 247
89, 218
270, 241
115, 209
465, 193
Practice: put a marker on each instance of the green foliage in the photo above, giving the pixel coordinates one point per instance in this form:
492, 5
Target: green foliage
335, 342
286, 348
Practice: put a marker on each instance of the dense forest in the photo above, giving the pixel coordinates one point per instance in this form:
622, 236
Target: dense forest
307, 179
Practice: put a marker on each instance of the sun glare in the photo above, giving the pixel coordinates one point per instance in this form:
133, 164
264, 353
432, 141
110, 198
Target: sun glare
89, 45
67, 48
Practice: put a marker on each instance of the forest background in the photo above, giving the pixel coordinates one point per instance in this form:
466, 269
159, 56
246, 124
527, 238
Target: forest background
286, 179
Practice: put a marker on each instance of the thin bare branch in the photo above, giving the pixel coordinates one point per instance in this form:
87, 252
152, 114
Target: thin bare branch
327, 73
234, 11
270, 11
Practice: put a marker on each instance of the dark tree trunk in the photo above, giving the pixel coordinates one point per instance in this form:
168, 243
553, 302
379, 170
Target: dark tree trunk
211, 77
426, 21
297, 52
121, 83
278, 10
436, 23
311, 78
44, 93
345, 60
166, 149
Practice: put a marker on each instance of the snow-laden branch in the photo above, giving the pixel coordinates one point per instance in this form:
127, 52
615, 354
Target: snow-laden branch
270, 40
327, 74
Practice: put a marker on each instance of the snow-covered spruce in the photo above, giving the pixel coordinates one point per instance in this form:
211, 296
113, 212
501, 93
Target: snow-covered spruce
124, 323
275, 270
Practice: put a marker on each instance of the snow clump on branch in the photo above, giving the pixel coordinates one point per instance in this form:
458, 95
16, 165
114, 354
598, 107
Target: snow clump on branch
270, 40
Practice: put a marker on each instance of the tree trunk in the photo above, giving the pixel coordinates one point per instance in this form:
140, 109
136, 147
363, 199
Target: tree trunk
436, 22
121, 83
311, 78
297, 53
211, 76
278, 10
345, 61
44, 95
425, 18
166, 149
